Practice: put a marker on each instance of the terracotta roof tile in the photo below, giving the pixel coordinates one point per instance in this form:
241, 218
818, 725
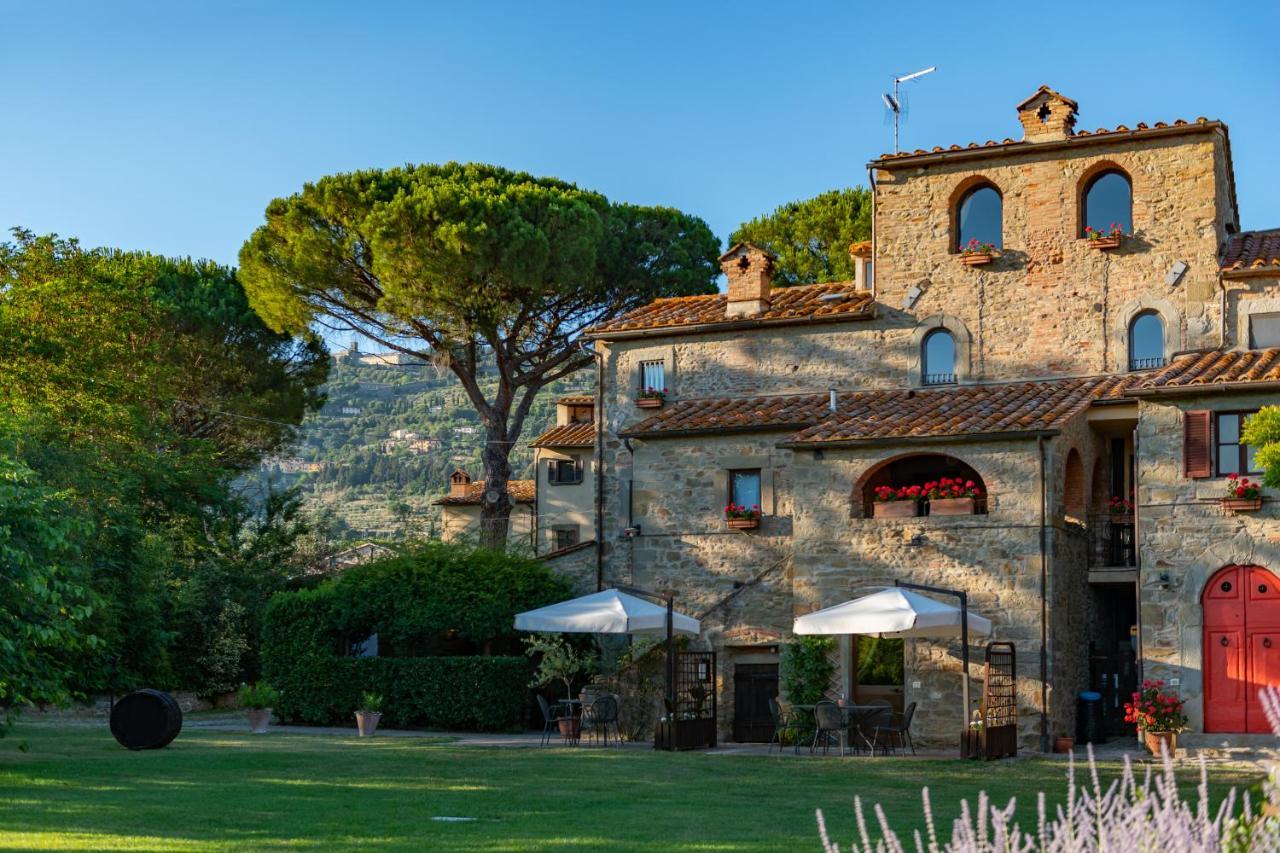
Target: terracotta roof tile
577, 400
1211, 367
804, 302
521, 490
1253, 250
567, 435
790, 411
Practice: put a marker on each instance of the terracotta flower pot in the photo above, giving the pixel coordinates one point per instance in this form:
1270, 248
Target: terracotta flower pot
367, 722
976, 259
742, 523
1105, 242
951, 506
1242, 504
570, 727
1063, 745
649, 403
259, 719
894, 509
1156, 741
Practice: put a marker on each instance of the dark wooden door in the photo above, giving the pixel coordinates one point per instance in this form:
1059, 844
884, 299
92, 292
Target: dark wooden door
1241, 647
754, 684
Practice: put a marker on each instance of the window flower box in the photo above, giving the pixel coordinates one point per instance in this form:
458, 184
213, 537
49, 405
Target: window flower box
651, 398
952, 496
976, 253
1105, 243
1110, 239
738, 517
1243, 495
951, 506
1241, 505
742, 523
895, 509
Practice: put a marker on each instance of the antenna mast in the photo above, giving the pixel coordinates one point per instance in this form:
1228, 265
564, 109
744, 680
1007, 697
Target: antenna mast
894, 101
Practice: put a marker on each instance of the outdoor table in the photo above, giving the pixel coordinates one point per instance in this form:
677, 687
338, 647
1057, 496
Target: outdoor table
850, 713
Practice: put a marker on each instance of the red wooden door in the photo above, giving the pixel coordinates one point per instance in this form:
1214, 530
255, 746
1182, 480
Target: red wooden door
1241, 647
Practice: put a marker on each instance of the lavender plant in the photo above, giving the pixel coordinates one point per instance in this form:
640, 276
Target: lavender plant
1129, 815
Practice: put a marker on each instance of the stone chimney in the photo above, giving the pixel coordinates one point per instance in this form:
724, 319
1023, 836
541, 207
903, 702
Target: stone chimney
459, 483
750, 272
1047, 116
860, 252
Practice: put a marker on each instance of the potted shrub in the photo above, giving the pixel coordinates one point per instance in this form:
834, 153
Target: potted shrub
369, 714
1243, 495
561, 663
1158, 715
975, 253
258, 699
739, 517
1119, 510
951, 496
651, 398
1109, 239
1063, 743
896, 502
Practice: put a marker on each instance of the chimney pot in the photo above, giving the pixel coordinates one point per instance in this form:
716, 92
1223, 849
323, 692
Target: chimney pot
1047, 116
749, 270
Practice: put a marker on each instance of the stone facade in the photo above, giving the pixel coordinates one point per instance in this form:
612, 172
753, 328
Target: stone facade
1051, 305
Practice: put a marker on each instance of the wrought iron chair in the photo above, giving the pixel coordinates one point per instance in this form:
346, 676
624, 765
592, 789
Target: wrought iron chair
599, 716
551, 715
829, 723
897, 730
784, 723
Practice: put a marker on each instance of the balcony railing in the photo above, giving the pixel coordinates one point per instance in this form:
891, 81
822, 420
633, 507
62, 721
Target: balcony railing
1146, 363
939, 379
1112, 542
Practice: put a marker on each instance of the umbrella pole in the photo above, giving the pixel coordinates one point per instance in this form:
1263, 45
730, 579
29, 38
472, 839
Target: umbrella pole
964, 639
671, 660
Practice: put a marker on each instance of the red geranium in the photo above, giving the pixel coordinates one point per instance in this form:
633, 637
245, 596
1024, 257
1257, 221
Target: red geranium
1242, 488
1153, 710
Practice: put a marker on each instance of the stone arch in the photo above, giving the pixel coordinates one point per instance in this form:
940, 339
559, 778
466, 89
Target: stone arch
1087, 178
906, 469
959, 333
959, 193
1168, 313
1073, 489
1098, 486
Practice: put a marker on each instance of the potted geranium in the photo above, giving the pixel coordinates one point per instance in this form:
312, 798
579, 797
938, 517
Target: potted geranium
952, 496
1243, 495
651, 398
739, 517
258, 700
975, 253
1158, 715
561, 663
369, 714
896, 501
1119, 510
1108, 239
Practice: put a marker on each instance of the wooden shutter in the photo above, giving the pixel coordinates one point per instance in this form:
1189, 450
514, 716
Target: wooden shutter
577, 470
1197, 444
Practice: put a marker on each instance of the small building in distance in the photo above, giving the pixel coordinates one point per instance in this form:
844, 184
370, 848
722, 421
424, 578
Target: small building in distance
460, 509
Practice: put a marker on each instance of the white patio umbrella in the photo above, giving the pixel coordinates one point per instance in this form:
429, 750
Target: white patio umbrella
607, 612
892, 612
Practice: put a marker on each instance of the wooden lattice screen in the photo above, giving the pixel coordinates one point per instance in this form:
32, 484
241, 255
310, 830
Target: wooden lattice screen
998, 736
691, 724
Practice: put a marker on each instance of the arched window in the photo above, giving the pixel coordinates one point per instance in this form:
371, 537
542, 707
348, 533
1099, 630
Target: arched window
938, 358
1146, 341
1108, 203
980, 216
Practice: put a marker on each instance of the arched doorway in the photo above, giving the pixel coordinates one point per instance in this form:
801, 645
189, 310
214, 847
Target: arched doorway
1241, 651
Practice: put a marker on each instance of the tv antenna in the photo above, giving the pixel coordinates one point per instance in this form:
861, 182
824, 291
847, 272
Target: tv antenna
896, 102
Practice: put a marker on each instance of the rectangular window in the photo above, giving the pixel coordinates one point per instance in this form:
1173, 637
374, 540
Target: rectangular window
565, 535
744, 488
1264, 331
652, 376
1233, 456
564, 472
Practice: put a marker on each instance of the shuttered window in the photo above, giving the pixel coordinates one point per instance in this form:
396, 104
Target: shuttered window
1197, 444
564, 472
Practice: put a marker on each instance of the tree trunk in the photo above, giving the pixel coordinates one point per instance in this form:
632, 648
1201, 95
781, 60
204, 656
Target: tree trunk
495, 504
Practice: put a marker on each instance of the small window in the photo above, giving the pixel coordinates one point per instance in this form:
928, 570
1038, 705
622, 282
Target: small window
565, 535
1264, 331
938, 358
652, 376
1108, 203
564, 472
980, 216
1234, 457
1146, 341
744, 488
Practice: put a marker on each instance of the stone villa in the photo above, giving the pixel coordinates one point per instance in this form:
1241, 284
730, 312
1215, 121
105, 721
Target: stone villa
1075, 322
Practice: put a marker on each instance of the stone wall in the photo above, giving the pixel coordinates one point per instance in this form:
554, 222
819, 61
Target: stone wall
565, 504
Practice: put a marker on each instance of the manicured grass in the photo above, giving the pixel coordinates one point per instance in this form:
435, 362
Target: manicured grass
75, 789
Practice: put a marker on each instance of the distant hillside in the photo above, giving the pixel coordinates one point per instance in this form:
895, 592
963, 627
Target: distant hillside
382, 448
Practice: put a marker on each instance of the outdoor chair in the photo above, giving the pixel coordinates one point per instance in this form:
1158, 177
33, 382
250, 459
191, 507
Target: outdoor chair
551, 715
896, 731
784, 723
829, 723
599, 716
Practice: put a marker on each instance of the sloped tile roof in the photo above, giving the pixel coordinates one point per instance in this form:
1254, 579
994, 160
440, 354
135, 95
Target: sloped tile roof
1211, 367
788, 304
1253, 250
521, 490
567, 435
577, 400
789, 411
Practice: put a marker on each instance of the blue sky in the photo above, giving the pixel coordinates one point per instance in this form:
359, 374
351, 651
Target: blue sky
169, 126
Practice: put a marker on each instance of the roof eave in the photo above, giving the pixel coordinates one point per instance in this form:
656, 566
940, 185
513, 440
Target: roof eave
1252, 272
1205, 388
880, 441
717, 430
730, 326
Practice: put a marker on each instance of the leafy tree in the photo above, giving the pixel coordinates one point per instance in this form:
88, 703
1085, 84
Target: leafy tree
1263, 432
811, 237
467, 265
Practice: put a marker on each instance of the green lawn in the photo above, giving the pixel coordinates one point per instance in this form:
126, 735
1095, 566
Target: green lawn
73, 788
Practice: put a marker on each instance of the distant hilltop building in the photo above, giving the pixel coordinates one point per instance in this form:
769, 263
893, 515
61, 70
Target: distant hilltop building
356, 555
375, 359
292, 465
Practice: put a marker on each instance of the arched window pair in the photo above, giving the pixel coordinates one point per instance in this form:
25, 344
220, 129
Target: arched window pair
1106, 206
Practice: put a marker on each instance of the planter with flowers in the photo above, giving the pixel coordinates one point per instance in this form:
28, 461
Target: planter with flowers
739, 517
651, 398
976, 253
369, 714
952, 496
896, 502
1109, 239
1119, 511
258, 699
1243, 495
1158, 715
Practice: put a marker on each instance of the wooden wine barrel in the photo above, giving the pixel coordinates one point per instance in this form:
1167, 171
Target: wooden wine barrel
146, 719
